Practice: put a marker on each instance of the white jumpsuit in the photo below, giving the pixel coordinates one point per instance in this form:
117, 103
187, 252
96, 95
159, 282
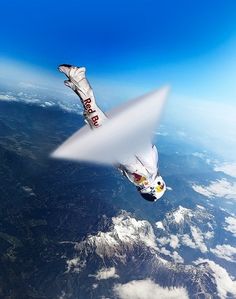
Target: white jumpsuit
140, 169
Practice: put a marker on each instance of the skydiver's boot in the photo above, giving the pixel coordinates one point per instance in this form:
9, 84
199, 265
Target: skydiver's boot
78, 82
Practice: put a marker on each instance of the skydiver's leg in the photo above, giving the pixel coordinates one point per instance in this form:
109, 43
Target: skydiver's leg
78, 82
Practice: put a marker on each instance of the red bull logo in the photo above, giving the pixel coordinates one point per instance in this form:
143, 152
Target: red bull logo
89, 110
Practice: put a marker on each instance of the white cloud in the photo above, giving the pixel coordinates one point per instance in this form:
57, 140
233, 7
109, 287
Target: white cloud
224, 282
198, 238
76, 264
106, 273
7, 97
209, 225
181, 133
163, 240
219, 188
209, 234
174, 241
63, 295
187, 241
202, 156
198, 155
28, 190
231, 227
42, 100
147, 289
174, 255
201, 207
177, 258
225, 252
161, 133
227, 168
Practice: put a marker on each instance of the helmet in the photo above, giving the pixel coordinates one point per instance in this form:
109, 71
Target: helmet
148, 196
155, 191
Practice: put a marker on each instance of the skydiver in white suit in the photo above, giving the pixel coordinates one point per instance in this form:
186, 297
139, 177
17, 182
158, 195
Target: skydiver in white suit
141, 169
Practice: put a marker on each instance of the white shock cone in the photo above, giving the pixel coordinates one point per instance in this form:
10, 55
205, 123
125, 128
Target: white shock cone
128, 131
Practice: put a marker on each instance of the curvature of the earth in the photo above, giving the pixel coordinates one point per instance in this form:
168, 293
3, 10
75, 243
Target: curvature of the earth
71, 230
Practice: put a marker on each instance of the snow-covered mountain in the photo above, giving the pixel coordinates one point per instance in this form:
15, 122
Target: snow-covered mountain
186, 228
129, 252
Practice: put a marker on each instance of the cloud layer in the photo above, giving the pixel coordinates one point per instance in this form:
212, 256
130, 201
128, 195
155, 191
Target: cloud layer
227, 168
224, 282
106, 273
231, 225
225, 252
219, 188
147, 289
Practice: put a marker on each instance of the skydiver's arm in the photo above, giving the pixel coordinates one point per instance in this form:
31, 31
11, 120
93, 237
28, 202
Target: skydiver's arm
78, 82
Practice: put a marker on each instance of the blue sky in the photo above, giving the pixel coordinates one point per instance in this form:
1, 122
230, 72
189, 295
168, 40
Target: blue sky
128, 47
185, 43
115, 36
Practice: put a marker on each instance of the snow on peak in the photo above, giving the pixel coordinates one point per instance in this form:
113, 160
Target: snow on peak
160, 225
183, 215
180, 214
129, 230
184, 227
125, 233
